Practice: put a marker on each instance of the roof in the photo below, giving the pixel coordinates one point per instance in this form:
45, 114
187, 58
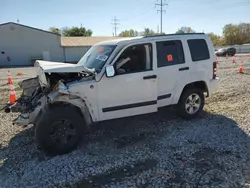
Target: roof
84, 41
116, 41
7, 23
129, 40
175, 34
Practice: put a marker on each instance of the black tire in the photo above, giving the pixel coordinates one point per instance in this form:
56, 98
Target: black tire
183, 99
59, 130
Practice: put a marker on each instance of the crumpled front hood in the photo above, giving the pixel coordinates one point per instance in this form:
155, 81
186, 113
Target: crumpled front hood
53, 67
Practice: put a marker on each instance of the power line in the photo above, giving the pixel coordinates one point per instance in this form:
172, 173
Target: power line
161, 10
115, 23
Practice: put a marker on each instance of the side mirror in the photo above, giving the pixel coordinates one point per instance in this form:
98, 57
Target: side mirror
110, 71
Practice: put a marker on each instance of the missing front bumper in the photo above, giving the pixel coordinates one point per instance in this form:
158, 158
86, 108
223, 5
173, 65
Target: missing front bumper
22, 120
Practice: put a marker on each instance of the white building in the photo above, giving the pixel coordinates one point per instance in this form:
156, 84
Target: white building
21, 45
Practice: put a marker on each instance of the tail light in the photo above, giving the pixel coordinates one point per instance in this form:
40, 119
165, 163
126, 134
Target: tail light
214, 70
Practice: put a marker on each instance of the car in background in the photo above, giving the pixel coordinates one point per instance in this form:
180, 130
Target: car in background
225, 51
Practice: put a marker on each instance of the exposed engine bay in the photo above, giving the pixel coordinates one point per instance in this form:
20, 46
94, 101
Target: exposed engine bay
42, 90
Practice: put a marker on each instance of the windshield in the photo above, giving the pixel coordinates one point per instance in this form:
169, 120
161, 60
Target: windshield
96, 57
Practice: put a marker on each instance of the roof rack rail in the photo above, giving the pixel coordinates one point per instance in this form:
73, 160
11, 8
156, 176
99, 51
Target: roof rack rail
160, 35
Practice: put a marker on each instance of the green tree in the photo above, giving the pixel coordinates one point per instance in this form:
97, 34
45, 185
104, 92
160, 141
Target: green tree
77, 31
216, 39
230, 33
185, 29
55, 30
236, 33
148, 32
129, 33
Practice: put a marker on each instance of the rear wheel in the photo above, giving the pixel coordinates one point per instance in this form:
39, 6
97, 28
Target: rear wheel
191, 103
59, 130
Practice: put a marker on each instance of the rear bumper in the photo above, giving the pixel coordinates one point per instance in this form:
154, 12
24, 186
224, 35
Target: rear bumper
213, 85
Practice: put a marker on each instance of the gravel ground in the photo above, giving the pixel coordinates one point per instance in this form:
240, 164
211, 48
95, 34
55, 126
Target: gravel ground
154, 150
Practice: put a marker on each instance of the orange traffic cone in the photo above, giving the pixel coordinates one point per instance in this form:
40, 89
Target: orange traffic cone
9, 77
240, 70
226, 56
12, 99
233, 59
19, 74
217, 60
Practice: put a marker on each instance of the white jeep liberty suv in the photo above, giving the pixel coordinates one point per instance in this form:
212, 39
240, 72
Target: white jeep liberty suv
115, 79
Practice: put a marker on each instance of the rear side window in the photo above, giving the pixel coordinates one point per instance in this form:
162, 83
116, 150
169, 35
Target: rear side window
169, 53
198, 49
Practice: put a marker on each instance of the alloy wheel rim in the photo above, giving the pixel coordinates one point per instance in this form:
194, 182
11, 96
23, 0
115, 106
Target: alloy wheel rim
193, 103
63, 131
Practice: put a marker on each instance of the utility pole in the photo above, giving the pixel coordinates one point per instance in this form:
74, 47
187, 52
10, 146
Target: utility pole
115, 23
161, 10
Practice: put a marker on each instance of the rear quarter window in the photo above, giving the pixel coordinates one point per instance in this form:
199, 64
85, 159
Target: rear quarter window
198, 49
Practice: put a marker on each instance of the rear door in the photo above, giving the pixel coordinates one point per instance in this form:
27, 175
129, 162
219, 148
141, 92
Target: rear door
172, 70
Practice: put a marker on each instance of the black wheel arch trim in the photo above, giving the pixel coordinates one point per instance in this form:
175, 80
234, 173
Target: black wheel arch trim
135, 105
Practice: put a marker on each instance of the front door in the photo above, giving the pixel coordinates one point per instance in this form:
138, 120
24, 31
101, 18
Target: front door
133, 89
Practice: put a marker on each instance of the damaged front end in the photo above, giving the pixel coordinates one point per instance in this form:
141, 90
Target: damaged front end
28, 104
41, 91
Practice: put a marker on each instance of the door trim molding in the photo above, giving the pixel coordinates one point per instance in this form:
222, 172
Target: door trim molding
135, 105
127, 106
164, 96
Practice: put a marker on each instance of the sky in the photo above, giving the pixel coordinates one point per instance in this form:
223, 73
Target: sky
200, 15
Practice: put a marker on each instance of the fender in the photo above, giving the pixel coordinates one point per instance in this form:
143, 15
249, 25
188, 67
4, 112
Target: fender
75, 101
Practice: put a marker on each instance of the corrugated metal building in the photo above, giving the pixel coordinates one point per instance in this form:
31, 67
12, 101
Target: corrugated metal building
20, 45
75, 47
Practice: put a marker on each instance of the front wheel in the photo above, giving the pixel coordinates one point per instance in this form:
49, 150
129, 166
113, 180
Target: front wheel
59, 130
191, 103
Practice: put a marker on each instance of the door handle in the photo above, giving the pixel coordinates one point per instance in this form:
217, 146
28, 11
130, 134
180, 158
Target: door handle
149, 77
183, 68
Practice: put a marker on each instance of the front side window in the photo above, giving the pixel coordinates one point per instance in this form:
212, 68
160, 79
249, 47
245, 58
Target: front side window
198, 49
96, 57
135, 58
169, 53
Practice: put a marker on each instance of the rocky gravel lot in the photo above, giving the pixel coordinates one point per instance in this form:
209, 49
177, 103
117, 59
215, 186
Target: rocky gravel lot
155, 150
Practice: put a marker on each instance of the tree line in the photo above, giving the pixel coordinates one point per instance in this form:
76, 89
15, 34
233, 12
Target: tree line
232, 33
82, 31
73, 31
